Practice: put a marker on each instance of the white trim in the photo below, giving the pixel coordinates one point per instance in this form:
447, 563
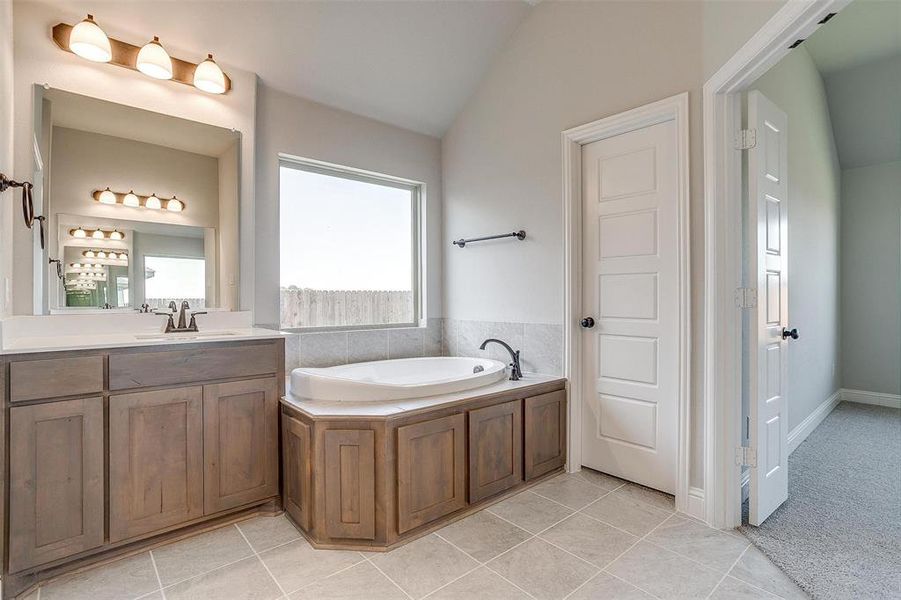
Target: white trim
673, 109
803, 429
722, 239
874, 398
695, 505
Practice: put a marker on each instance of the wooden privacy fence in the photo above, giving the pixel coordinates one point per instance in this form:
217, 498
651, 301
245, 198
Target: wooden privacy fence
331, 308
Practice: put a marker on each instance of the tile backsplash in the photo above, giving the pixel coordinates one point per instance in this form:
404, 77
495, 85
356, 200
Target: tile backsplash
541, 344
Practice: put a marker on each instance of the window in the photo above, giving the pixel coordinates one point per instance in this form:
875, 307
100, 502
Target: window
168, 278
349, 248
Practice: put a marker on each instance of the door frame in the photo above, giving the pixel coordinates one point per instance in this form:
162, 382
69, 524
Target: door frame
723, 222
674, 108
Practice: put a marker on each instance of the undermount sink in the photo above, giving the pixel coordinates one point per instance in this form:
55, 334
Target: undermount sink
189, 335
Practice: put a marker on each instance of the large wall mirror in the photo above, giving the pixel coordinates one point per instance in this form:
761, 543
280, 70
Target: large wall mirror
141, 208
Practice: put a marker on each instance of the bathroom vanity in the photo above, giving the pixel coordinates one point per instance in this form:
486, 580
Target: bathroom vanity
374, 475
112, 449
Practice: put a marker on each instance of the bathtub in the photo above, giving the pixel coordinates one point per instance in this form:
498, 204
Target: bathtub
395, 379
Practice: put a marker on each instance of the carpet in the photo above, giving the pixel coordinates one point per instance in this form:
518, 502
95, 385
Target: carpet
839, 533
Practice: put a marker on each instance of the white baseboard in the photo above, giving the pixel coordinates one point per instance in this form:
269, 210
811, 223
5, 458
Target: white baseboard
877, 398
696, 507
806, 427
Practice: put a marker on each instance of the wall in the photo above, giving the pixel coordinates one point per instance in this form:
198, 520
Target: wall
871, 278
38, 60
814, 192
6, 153
229, 191
291, 125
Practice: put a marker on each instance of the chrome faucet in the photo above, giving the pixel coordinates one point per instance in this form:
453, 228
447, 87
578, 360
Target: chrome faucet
182, 326
516, 370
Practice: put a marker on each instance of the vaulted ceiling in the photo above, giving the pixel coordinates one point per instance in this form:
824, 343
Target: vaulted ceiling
411, 64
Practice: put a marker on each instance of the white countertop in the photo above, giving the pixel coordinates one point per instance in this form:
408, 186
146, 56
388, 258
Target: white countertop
318, 408
65, 332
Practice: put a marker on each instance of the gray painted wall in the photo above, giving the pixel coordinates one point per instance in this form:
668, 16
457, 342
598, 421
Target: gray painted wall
871, 278
814, 192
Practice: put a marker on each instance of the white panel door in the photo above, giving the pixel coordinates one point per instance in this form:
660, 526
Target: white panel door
630, 288
768, 197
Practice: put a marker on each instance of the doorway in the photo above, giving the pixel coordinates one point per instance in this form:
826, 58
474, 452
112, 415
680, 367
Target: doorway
627, 296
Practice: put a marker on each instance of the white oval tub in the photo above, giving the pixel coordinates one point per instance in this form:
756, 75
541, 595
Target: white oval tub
395, 379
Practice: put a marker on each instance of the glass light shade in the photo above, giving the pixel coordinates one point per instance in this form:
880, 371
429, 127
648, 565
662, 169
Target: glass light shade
88, 41
131, 200
89, 254
154, 61
98, 234
153, 202
209, 77
175, 205
79, 233
96, 266
101, 254
116, 235
107, 197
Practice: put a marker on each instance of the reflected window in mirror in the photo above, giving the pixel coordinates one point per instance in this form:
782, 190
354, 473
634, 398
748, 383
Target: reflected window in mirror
168, 278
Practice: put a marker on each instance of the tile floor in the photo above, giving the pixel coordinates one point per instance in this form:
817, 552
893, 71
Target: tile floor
579, 536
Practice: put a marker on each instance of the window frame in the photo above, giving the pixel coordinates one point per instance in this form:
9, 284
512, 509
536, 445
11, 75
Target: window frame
417, 191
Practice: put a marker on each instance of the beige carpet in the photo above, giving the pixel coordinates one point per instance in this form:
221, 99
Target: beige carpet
839, 533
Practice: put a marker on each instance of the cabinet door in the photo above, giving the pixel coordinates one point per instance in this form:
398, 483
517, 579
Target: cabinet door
349, 483
297, 476
431, 470
545, 433
156, 460
240, 443
56, 481
495, 449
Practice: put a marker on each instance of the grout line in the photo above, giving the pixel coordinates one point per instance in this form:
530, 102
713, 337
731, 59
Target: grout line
330, 575
441, 587
259, 558
397, 585
156, 571
726, 574
641, 589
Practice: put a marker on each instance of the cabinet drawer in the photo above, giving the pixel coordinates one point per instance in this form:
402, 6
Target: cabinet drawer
148, 369
55, 377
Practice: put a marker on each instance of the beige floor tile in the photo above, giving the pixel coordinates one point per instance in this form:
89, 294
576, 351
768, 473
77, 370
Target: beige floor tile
483, 535
608, 482
755, 568
297, 564
664, 574
360, 582
569, 490
481, 584
733, 589
127, 578
713, 548
652, 497
604, 585
424, 565
589, 539
267, 532
627, 513
158, 595
244, 580
195, 555
32, 595
530, 511
542, 570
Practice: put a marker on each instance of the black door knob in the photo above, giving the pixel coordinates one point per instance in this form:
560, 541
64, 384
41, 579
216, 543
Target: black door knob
587, 322
790, 333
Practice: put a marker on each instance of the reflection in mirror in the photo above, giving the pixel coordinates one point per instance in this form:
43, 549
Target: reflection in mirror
142, 207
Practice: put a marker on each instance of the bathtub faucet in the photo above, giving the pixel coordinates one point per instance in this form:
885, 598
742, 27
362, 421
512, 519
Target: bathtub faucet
516, 373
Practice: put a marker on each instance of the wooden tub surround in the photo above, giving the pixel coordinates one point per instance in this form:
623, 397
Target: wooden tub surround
370, 477
111, 451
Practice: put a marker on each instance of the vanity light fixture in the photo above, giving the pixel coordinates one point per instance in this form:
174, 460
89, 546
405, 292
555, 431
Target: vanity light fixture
87, 40
97, 234
89, 254
154, 61
133, 200
103, 254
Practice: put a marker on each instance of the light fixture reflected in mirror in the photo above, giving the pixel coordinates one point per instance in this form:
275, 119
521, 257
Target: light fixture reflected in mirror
209, 77
97, 234
131, 199
174, 205
154, 61
78, 233
88, 41
106, 197
153, 202
116, 235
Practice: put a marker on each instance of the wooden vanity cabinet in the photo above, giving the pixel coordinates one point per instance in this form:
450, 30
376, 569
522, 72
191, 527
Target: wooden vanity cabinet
55, 480
156, 460
349, 483
297, 470
495, 449
545, 433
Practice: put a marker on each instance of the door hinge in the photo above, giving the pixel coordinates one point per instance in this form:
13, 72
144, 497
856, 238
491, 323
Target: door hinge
745, 457
746, 139
746, 297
